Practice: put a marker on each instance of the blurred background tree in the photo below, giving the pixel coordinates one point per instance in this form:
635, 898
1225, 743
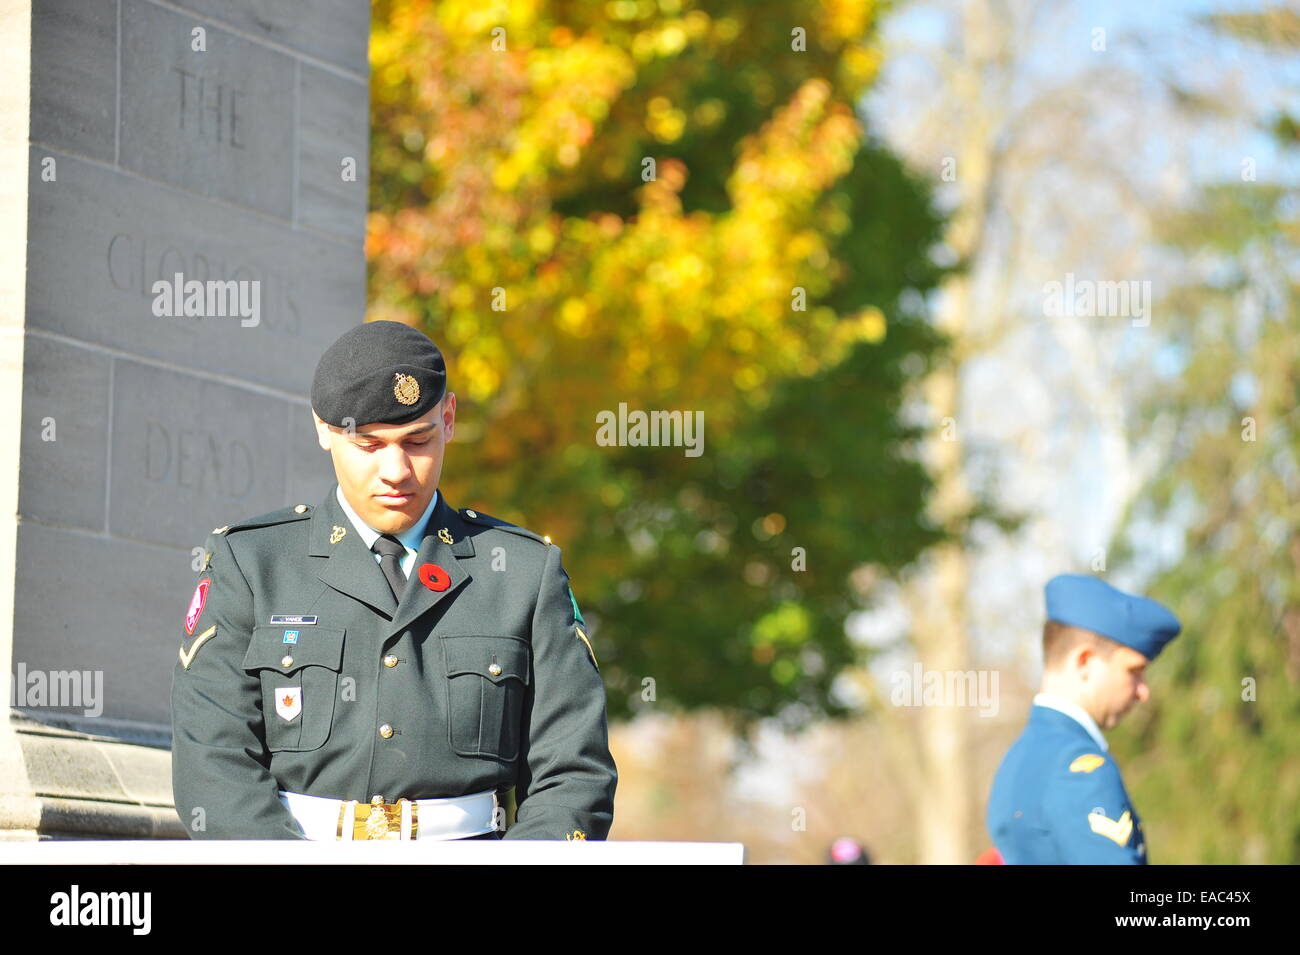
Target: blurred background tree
1216, 749
588, 204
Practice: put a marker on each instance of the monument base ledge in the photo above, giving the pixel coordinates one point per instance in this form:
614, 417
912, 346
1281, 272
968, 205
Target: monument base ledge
57, 783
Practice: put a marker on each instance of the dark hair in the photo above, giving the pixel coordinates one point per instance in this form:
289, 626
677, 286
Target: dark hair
1060, 638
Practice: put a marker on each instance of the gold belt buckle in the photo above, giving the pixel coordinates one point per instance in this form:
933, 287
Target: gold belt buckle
379, 820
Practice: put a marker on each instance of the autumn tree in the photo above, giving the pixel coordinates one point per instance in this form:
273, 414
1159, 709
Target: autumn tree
668, 206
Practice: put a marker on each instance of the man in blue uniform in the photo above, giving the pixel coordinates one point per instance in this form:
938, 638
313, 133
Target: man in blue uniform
1058, 798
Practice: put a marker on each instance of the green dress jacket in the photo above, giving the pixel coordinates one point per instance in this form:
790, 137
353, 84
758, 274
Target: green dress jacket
299, 671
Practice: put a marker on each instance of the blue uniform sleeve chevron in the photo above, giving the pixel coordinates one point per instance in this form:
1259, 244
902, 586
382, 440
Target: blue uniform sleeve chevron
1093, 820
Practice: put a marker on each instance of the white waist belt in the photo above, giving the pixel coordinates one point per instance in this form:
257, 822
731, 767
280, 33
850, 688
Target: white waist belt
454, 818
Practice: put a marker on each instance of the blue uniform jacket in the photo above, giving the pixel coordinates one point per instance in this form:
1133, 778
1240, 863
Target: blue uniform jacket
1058, 799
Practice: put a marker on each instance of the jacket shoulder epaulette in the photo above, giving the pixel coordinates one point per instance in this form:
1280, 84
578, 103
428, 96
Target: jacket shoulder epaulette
478, 517
283, 515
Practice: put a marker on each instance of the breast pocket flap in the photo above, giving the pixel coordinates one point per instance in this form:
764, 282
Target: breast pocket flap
313, 646
493, 657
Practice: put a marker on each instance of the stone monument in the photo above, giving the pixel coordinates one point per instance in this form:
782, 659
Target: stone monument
183, 201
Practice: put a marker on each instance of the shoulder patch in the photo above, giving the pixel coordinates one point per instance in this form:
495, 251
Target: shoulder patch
283, 515
478, 517
577, 614
197, 602
1087, 763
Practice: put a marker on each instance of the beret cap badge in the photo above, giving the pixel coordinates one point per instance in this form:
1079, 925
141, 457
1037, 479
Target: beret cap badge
405, 388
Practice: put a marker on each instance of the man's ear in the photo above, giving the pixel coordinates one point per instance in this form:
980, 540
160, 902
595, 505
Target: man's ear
1080, 657
322, 431
448, 416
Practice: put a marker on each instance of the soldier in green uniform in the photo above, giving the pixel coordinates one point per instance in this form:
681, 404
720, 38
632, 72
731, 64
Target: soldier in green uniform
383, 665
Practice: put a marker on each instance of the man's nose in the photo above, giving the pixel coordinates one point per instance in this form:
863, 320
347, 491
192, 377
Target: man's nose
394, 465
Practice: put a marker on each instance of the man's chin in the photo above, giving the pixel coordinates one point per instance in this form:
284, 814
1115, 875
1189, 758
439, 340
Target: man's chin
1114, 720
394, 517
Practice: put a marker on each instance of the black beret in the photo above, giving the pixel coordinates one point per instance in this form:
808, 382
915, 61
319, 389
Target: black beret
378, 372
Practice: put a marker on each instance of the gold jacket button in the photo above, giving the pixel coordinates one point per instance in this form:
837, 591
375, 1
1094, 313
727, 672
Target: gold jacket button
390, 660
495, 669
386, 731
300, 509
287, 662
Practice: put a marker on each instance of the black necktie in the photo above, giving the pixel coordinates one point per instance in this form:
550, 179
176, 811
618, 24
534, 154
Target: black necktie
391, 552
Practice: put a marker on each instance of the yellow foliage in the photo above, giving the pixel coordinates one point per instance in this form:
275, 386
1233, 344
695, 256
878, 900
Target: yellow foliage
655, 294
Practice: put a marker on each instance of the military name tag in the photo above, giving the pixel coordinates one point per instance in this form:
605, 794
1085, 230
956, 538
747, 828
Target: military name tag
293, 619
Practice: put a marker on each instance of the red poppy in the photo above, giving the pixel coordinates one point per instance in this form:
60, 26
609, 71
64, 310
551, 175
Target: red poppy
434, 577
